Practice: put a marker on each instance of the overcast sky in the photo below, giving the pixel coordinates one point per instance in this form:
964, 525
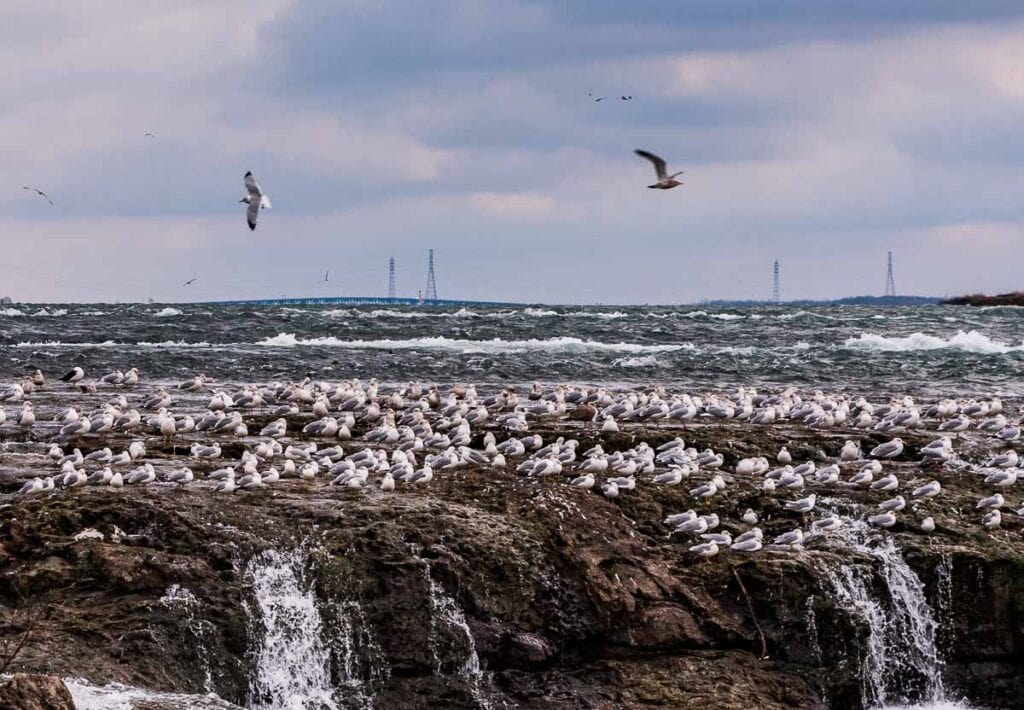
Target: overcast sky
821, 134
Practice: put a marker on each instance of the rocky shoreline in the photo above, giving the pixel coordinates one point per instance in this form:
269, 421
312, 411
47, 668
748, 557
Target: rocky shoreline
547, 596
1016, 298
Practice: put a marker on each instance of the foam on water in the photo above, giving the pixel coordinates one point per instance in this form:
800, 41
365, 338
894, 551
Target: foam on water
167, 313
116, 696
640, 361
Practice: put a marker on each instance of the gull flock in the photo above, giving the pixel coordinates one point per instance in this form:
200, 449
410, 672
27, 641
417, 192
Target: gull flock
359, 435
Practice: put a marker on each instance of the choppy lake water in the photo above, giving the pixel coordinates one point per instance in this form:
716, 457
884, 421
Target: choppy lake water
927, 351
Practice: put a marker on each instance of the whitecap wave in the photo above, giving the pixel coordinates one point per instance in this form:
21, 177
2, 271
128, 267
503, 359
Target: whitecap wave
383, 313
41, 313
547, 313
971, 341
115, 344
167, 313
640, 361
804, 314
495, 345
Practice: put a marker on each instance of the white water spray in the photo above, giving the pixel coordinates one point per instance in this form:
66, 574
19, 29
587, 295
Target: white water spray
447, 617
293, 663
901, 663
183, 602
311, 655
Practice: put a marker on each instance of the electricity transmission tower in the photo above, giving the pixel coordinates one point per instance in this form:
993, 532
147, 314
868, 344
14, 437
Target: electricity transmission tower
776, 285
391, 277
890, 283
431, 292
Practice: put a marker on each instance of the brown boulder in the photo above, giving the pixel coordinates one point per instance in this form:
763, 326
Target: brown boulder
27, 691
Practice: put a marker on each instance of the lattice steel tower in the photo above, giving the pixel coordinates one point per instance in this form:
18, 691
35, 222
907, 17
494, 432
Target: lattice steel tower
391, 277
431, 292
776, 286
890, 284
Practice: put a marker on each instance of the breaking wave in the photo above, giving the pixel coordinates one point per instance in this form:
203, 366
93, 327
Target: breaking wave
495, 345
970, 341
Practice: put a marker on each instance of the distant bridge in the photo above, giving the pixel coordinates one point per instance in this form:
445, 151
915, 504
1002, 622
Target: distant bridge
363, 301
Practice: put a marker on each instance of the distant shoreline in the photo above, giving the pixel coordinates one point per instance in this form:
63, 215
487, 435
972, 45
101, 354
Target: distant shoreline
977, 299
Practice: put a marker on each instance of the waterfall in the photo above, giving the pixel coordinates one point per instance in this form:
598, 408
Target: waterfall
901, 662
182, 601
448, 626
812, 630
311, 654
293, 663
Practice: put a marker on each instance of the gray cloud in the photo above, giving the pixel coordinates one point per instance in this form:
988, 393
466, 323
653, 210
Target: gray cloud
819, 133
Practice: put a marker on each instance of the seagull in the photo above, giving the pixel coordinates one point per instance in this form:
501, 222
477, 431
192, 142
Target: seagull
189, 282
598, 98
888, 450
625, 98
802, 505
38, 192
74, 375
993, 501
327, 275
665, 181
928, 490
150, 135
255, 199
706, 550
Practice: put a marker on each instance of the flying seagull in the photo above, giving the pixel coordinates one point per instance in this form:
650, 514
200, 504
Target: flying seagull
597, 98
38, 192
625, 98
665, 181
189, 282
255, 199
327, 275
151, 135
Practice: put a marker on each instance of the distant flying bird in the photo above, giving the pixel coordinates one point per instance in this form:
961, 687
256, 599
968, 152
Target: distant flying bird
327, 274
597, 98
38, 192
255, 199
625, 98
665, 181
189, 282
151, 135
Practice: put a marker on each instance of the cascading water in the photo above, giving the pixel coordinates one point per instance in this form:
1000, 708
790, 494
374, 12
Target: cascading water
448, 625
184, 603
311, 655
901, 662
293, 663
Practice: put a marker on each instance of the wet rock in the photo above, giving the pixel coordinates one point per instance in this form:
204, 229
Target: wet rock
570, 599
27, 691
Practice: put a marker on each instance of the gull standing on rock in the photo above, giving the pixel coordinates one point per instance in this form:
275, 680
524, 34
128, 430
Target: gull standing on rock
888, 450
255, 199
